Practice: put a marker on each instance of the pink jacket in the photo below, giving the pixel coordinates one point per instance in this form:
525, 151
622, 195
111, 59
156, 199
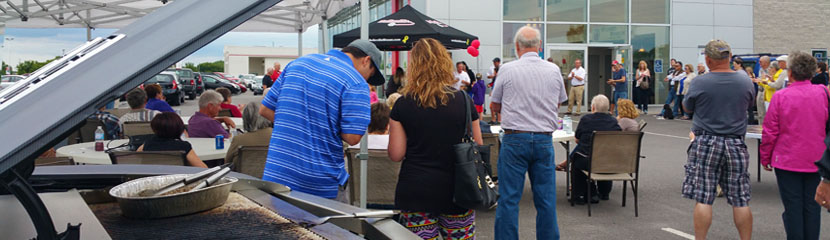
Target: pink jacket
373, 97
794, 127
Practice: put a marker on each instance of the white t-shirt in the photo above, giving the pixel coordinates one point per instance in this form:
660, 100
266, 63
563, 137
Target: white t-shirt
577, 72
491, 72
677, 78
461, 77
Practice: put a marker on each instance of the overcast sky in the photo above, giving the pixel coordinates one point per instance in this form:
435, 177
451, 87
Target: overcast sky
42, 44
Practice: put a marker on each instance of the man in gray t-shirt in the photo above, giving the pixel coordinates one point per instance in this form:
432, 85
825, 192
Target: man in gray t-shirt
717, 154
719, 101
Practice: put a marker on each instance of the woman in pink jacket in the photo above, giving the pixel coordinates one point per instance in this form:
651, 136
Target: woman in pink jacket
793, 138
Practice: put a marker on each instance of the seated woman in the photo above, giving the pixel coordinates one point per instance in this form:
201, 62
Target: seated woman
627, 115
168, 128
257, 130
226, 102
600, 119
378, 127
155, 99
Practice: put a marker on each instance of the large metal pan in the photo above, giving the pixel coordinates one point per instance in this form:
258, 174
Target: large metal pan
135, 206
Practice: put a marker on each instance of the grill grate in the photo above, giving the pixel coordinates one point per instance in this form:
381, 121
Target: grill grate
239, 218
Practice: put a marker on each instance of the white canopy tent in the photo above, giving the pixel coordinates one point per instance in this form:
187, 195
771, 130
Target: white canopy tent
288, 16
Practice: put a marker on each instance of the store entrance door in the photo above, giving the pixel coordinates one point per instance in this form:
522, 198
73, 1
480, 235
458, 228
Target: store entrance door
599, 71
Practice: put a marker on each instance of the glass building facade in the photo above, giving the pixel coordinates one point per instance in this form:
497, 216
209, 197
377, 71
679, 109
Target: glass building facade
634, 30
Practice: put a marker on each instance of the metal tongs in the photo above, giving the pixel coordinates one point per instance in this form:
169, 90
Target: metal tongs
213, 174
370, 214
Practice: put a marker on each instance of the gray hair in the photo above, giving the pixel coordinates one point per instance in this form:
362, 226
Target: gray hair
136, 98
763, 59
252, 120
208, 97
802, 66
528, 41
600, 103
774, 64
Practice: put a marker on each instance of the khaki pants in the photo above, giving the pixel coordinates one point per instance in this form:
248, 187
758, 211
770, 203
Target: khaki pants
575, 94
762, 109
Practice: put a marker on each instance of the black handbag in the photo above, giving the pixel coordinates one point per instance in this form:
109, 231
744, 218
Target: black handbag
474, 188
823, 163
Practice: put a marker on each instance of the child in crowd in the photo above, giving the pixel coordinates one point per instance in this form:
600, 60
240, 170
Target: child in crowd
477, 93
373, 95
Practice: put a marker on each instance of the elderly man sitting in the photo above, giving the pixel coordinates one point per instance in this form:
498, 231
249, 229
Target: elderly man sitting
600, 119
205, 123
137, 99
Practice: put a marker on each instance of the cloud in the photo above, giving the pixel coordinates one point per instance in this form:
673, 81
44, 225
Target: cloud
44, 44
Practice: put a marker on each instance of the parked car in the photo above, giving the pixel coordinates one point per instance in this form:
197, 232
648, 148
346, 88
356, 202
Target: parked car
212, 82
187, 81
171, 89
200, 84
231, 79
247, 79
8, 80
256, 86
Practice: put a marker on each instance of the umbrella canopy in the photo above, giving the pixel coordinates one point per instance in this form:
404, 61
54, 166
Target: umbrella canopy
399, 31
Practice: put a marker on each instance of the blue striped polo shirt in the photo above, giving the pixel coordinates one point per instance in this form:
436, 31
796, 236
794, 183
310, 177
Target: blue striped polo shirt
315, 99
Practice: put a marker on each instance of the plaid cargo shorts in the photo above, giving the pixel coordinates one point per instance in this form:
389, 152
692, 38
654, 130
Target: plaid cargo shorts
717, 160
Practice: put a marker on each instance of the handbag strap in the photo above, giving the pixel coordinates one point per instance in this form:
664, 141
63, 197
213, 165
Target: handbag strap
827, 124
468, 131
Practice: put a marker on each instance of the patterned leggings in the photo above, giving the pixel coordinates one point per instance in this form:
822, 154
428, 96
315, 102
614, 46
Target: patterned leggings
431, 226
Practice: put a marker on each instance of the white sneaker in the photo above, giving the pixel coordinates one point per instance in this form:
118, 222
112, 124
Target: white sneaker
660, 118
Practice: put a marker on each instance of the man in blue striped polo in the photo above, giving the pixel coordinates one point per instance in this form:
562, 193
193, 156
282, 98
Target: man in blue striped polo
317, 101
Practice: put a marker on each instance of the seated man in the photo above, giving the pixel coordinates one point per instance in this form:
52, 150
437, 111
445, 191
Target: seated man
111, 123
205, 123
137, 99
226, 102
600, 119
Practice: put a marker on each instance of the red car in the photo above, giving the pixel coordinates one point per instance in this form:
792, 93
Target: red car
232, 79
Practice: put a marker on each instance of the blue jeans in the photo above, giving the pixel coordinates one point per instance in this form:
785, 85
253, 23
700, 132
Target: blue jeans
802, 215
617, 96
533, 154
672, 96
678, 106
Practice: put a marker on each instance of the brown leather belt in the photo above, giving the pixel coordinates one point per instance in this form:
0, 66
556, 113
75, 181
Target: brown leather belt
511, 131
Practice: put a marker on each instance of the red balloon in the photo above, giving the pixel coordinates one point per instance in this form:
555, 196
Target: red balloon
472, 51
476, 44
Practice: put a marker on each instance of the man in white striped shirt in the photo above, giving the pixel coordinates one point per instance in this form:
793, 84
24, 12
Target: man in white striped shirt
527, 94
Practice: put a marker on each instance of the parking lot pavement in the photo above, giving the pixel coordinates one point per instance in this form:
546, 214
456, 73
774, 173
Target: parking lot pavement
664, 214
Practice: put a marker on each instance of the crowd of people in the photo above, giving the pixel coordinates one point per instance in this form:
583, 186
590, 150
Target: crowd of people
321, 101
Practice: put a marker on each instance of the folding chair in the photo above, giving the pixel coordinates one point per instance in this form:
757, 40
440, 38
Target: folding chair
87, 132
53, 161
382, 177
225, 113
137, 128
615, 156
175, 158
250, 160
642, 124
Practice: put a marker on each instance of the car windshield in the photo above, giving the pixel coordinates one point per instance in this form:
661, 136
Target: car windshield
10, 78
161, 78
184, 73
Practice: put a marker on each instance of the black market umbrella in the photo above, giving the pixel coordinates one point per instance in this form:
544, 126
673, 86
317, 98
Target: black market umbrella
399, 31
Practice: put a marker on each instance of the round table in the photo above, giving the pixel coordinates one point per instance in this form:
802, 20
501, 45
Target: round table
237, 121
85, 153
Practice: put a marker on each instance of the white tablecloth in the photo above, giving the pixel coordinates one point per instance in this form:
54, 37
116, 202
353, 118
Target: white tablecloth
558, 135
85, 153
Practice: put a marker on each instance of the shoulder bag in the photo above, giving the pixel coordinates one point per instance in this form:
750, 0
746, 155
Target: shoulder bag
644, 84
823, 163
474, 188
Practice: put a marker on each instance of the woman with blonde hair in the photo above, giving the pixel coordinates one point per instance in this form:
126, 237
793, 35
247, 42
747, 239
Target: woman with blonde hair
683, 88
627, 114
425, 184
642, 89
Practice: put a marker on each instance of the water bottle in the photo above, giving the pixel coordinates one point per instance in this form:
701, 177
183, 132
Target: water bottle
568, 125
99, 139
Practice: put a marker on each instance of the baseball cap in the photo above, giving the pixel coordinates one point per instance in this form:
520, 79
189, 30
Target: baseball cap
718, 49
615, 62
782, 58
496, 60
370, 49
